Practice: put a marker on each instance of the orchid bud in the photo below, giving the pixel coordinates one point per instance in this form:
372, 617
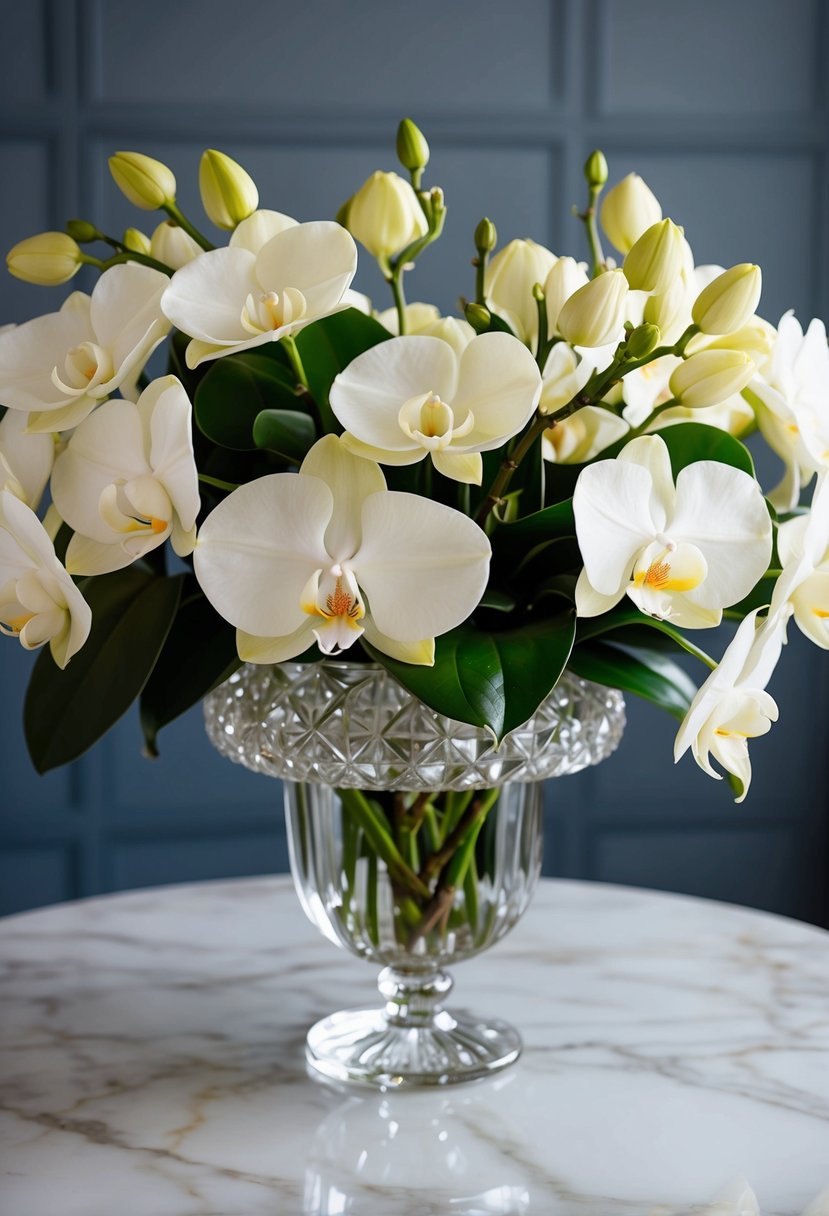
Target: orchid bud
628, 210
671, 309
594, 315
643, 340
565, 278
228, 192
137, 241
711, 376
479, 318
147, 183
728, 302
173, 246
412, 148
510, 278
82, 231
656, 259
755, 339
48, 259
595, 170
385, 216
486, 236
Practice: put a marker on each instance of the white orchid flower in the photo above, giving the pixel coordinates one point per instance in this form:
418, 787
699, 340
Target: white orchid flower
793, 408
426, 319
59, 367
732, 705
581, 437
508, 285
802, 590
416, 396
330, 554
39, 603
127, 480
236, 298
26, 459
680, 552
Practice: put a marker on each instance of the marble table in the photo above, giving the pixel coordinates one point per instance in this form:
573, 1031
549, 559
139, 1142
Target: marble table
676, 1061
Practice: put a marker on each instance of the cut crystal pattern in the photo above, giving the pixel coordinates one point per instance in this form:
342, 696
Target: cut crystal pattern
354, 726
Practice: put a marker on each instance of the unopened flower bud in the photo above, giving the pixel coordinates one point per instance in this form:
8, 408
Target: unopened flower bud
671, 309
711, 376
228, 192
412, 148
48, 259
595, 170
147, 183
486, 236
755, 339
136, 241
643, 340
656, 259
82, 231
565, 277
509, 281
728, 302
478, 317
629, 208
594, 315
385, 216
173, 246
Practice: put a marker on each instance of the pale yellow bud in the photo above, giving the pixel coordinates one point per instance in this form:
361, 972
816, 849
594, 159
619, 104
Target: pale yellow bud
671, 309
48, 259
656, 259
228, 192
385, 216
565, 278
173, 246
137, 241
628, 210
729, 301
147, 183
594, 315
755, 339
509, 281
711, 376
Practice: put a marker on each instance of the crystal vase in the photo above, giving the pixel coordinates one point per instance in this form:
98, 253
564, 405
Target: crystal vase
415, 842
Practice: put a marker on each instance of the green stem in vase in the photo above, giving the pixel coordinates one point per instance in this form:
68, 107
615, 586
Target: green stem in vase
379, 838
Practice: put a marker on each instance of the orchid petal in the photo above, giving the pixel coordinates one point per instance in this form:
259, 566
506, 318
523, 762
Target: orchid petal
500, 384
205, 298
252, 649
467, 467
257, 230
124, 310
65, 418
351, 480
165, 406
320, 259
26, 458
30, 351
421, 654
590, 602
651, 453
382, 455
612, 507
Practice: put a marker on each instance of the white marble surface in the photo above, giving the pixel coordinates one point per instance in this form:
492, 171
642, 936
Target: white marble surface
152, 1065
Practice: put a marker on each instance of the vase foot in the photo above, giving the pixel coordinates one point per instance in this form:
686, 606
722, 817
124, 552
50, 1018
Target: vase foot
362, 1046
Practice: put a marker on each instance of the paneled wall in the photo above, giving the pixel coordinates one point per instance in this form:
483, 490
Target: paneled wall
720, 105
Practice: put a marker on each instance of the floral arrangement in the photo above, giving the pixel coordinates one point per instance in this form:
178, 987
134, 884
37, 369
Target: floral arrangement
554, 479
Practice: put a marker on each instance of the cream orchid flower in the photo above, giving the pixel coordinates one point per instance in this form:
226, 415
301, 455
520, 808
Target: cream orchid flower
732, 705
330, 554
793, 410
802, 590
59, 367
680, 552
426, 319
26, 460
239, 298
416, 396
127, 480
39, 603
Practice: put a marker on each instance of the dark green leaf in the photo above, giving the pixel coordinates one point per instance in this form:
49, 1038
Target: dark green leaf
554, 521
288, 433
494, 680
631, 627
198, 655
67, 711
328, 346
235, 390
689, 442
647, 674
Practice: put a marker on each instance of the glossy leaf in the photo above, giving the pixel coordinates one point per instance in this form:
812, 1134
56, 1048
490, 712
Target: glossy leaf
646, 673
688, 442
67, 711
288, 433
327, 347
552, 522
198, 655
234, 392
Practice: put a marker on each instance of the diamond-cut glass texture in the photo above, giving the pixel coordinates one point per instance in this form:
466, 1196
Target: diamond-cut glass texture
353, 725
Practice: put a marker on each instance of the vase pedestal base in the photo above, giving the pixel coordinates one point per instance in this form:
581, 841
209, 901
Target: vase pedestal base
364, 1046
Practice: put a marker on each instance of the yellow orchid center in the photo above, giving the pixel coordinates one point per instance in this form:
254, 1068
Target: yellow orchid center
272, 310
84, 367
671, 568
431, 422
334, 598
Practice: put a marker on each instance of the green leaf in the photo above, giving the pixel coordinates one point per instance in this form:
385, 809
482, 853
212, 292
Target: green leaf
198, 655
688, 442
328, 346
234, 392
288, 433
637, 628
494, 680
67, 711
552, 522
647, 674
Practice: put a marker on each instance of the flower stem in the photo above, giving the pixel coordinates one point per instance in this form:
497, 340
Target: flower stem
588, 218
130, 255
396, 284
183, 222
218, 483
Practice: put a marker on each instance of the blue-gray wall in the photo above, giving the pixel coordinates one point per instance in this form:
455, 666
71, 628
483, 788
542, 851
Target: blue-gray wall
720, 104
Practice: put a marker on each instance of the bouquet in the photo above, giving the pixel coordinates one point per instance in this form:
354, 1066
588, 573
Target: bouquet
555, 478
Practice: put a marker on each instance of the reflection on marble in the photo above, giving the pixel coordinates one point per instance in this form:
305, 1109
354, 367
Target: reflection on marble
676, 1062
